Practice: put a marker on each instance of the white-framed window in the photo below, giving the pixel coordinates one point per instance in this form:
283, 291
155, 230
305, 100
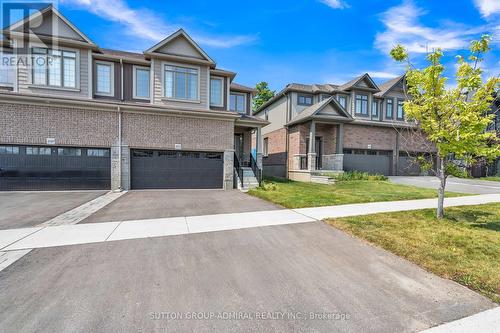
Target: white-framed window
238, 102
141, 82
401, 113
265, 148
7, 71
54, 68
342, 100
104, 78
374, 109
181, 83
216, 91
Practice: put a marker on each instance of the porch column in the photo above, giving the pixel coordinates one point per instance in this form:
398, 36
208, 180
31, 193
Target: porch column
311, 156
259, 143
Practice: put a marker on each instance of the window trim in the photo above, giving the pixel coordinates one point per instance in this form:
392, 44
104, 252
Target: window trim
345, 100
12, 70
245, 111
221, 79
112, 79
367, 114
164, 88
387, 108
134, 82
78, 65
376, 104
402, 109
307, 96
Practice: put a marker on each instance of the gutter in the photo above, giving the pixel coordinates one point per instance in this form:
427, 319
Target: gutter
120, 148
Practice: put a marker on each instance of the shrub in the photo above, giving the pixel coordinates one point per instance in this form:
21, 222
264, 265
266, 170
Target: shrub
358, 175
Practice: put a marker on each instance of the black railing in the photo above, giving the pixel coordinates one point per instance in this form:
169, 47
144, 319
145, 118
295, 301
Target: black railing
256, 170
238, 168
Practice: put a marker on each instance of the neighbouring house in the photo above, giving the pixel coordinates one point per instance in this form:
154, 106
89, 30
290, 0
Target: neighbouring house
321, 128
74, 115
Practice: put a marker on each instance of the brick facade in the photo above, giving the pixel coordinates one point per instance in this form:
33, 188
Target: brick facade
359, 137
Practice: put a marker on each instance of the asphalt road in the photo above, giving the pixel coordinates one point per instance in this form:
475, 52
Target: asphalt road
27, 209
472, 186
152, 204
281, 273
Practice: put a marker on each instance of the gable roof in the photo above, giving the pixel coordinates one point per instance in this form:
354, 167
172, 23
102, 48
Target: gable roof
349, 85
388, 85
313, 111
177, 34
240, 87
49, 10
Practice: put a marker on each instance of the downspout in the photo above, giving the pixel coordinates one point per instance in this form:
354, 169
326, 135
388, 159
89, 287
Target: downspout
120, 147
121, 79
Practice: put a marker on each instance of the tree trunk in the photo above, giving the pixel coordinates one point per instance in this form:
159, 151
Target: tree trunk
442, 186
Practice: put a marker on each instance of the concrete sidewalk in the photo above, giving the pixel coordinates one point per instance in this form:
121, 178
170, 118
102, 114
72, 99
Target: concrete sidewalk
483, 322
41, 237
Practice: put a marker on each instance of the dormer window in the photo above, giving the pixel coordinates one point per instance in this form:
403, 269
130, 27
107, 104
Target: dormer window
55, 68
304, 99
361, 104
181, 83
104, 78
342, 100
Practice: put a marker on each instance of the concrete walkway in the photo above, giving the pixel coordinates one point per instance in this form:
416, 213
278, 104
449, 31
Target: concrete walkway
41, 237
483, 322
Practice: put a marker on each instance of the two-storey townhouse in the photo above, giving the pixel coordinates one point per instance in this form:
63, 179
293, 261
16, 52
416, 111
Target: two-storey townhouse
323, 128
74, 115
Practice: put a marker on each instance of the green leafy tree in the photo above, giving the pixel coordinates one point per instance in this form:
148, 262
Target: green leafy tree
263, 95
454, 120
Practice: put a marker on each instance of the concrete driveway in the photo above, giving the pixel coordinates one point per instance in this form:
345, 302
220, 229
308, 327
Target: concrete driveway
472, 186
27, 209
139, 205
285, 274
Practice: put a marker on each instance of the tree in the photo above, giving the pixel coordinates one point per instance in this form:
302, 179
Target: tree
263, 95
454, 120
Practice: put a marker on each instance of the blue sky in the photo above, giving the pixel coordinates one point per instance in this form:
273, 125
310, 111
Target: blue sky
307, 41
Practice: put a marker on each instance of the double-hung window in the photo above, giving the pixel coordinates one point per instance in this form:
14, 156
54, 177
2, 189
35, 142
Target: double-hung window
216, 91
141, 82
401, 113
54, 68
374, 109
237, 102
181, 83
104, 78
389, 109
362, 105
304, 100
342, 100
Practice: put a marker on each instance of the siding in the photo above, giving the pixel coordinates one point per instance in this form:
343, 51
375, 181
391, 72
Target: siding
158, 87
276, 116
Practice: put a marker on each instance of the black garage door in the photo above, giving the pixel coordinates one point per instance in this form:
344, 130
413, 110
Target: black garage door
371, 161
54, 168
165, 169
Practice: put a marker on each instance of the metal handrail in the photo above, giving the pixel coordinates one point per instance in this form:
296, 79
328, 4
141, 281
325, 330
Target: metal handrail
256, 170
238, 168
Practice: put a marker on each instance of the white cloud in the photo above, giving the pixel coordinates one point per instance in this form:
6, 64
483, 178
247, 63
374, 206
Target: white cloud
383, 75
403, 26
335, 4
147, 25
488, 7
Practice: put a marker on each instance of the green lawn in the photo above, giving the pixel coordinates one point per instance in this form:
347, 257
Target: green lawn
464, 247
292, 194
495, 179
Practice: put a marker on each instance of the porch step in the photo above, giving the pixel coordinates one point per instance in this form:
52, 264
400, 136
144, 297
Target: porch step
322, 180
249, 180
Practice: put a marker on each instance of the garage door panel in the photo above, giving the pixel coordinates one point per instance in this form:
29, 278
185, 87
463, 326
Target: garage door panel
157, 169
373, 164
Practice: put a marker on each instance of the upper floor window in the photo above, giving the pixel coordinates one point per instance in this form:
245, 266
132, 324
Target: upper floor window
104, 78
141, 82
342, 100
400, 114
304, 100
181, 83
56, 68
325, 96
265, 148
6, 70
237, 102
389, 109
374, 109
362, 104
216, 91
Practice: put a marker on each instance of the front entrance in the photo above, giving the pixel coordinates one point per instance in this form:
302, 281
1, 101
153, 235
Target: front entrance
319, 151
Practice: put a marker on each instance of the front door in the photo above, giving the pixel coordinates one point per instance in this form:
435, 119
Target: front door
238, 146
319, 151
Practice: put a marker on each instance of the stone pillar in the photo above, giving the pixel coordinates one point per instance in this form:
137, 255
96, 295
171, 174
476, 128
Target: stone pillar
228, 169
259, 144
339, 148
311, 155
117, 182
